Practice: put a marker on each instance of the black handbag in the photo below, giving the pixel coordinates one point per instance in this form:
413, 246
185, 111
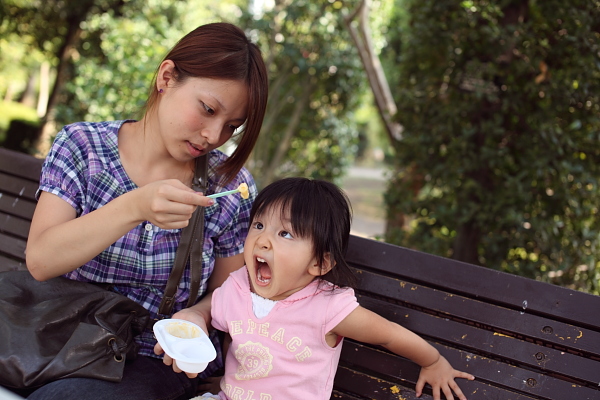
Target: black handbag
63, 328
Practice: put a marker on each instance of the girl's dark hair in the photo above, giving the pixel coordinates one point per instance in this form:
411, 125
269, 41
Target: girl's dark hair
222, 51
318, 210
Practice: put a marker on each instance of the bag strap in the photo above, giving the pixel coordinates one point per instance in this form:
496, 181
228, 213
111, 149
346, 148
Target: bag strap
190, 247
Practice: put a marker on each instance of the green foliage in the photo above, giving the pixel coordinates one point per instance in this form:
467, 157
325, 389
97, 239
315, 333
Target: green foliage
501, 154
17, 61
116, 61
114, 56
322, 154
315, 82
314, 71
113, 80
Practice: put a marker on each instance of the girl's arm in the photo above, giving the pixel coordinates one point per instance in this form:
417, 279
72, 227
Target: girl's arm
435, 369
59, 242
223, 267
200, 312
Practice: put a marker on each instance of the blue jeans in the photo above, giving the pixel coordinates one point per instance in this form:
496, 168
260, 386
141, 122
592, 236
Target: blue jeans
145, 378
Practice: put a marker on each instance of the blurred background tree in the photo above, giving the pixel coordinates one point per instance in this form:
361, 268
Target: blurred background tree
500, 156
315, 85
54, 28
493, 106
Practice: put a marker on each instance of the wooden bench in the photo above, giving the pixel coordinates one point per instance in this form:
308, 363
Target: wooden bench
19, 177
522, 339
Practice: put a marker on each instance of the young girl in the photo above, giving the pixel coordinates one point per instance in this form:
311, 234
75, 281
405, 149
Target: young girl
114, 197
288, 310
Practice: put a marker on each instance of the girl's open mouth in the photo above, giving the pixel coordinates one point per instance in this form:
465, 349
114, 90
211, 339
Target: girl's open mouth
263, 272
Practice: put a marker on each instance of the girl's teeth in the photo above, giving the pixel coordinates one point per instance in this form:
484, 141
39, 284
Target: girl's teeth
261, 279
260, 260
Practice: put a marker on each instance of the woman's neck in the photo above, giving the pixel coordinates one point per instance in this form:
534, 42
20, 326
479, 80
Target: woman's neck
145, 157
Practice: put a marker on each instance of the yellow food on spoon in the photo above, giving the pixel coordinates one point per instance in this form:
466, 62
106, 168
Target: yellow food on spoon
242, 190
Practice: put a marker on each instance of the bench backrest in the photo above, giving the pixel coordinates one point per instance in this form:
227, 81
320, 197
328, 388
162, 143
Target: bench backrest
19, 177
521, 338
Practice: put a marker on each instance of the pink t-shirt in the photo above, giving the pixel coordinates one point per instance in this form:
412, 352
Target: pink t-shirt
283, 356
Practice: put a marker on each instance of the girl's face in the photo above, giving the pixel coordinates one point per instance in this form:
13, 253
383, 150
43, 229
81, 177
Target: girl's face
279, 262
200, 115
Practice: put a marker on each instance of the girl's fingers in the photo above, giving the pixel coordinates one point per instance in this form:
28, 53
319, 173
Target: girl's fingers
419, 387
456, 389
448, 392
465, 375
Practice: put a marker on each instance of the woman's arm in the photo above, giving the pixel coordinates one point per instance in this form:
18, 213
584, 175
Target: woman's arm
59, 242
435, 369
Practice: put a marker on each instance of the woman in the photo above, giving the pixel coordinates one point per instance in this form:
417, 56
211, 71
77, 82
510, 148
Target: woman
114, 197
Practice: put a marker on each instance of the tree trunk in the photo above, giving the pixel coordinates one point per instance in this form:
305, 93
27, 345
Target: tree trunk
467, 243
28, 96
386, 105
277, 101
291, 129
64, 54
468, 238
42, 104
379, 85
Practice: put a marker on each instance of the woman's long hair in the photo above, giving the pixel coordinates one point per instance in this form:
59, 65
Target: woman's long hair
222, 51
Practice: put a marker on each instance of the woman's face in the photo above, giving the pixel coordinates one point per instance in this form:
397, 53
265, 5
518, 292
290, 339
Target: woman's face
200, 115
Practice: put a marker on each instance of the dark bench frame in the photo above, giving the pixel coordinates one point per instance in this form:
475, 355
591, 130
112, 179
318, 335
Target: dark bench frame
522, 339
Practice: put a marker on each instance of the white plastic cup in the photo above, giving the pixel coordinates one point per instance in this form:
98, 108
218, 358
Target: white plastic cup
186, 343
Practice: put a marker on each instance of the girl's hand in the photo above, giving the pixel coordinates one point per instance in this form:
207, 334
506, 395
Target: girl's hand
168, 204
187, 314
441, 375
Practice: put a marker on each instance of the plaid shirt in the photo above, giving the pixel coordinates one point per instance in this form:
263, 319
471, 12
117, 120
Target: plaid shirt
84, 169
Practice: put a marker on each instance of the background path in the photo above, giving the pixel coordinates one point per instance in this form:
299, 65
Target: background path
365, 187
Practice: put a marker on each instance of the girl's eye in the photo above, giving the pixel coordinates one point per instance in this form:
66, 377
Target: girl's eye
286, 235
257, 225
208, 109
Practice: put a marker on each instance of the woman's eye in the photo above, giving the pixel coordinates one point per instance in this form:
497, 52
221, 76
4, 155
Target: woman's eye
208, 109
232, 128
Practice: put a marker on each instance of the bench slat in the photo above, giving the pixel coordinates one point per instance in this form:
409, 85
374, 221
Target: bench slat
8, 264
489, 343
12, 205
12, 246
532, 327
14, 225
366, 386
16, 186
342, 396
474, 281
20, 164
497, 376
382, 365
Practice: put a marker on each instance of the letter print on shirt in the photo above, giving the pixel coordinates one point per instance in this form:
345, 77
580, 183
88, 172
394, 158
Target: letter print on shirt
255, 361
